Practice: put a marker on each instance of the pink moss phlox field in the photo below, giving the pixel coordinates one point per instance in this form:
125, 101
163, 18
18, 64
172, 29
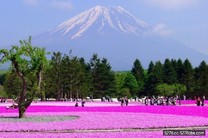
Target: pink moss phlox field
104, 120
113, 117
140, 134
86, 135
175, 110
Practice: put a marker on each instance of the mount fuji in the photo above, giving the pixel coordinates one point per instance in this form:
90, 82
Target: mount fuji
114, 33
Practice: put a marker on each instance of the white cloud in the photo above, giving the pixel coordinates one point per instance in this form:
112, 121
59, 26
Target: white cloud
160, 29
31, 2
62, 4
58, 4
172, 4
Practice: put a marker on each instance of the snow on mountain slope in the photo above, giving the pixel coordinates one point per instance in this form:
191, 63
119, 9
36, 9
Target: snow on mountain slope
114, 33
101, 19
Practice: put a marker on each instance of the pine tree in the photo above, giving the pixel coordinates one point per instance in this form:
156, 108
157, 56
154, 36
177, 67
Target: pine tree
188, 78
130, 83
150, 68
138, 73
180, 71
155, 78
76, 78
119, 81
201, 77
12, 84
85, 79
170, 75
53, 76
103, 77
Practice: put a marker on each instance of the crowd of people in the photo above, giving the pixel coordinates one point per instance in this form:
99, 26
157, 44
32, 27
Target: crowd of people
82, 103
200, 101
159, 100
124, 101
170, 100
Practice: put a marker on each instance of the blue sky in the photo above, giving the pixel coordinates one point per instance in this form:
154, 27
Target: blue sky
183, 20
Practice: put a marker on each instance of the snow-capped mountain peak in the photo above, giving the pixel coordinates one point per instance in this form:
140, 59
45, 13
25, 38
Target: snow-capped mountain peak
114, 33
102, 20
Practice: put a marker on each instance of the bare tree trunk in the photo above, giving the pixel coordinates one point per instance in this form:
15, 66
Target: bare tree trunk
68, 97
21, 101
71, 98
22, 110
39, 78
77, 95
42, 96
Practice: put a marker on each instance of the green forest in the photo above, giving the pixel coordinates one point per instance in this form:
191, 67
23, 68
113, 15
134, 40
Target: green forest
69, 77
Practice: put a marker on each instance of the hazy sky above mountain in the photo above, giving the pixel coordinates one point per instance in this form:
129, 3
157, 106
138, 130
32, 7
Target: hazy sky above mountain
183, 20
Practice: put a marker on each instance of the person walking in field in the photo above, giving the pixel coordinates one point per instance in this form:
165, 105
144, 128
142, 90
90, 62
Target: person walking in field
198, 101
202, 101
146, 101
83, 102
122, 101
76, 104
126, 101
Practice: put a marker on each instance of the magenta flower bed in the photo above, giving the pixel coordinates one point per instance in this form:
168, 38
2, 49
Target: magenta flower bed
193, 102
152, 134
86, 135
104, 120
175, 110
130, 118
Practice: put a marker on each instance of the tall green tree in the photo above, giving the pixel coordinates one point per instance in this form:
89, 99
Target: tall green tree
170, 75
174, 64
188, 78
139, 74
150, 68
155, 77
179, 90
53, 76
68, 77
77, 80
180, 71
85, 79
201, 77
130, 82
119, 82
165, 89
28, 63
170, 89
12, 84
103, 77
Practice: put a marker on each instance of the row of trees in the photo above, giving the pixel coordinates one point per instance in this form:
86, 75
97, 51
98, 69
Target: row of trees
190, 81
70, 77
66, 77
